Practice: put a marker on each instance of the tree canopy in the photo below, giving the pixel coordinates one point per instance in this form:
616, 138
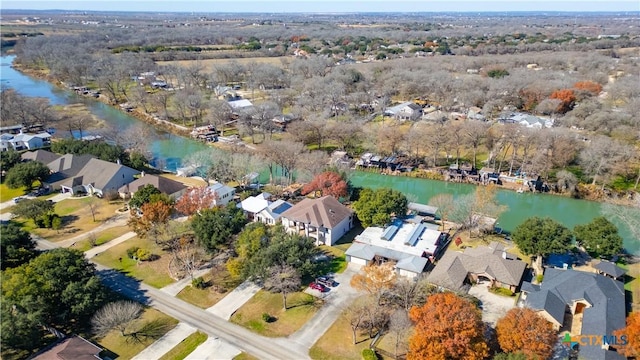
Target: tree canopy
632, 333
195, 200
541, 237
17, 247
522, 330
9, 159
24, 174
600, 237
327, 183
447, 327
143, 196
33, 208
58, 288
375, 207
214, 227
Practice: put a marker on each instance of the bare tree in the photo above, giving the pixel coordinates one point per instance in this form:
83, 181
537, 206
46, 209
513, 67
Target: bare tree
283, 279
186, 256
399, 328
117, 315
601, 157
445, 205
356, 314
93, 204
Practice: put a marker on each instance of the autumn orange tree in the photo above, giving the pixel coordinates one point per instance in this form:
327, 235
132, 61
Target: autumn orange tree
375, 280
194, 200
522, 330
589, 86
154, 216
567, 98
327, 183
447, 327
632, 333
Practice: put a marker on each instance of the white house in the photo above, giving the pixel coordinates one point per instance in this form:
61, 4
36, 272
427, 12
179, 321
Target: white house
409, 245
405, 111
223, 193
254, 204
271, 214
324, 219
26, 141
5, 142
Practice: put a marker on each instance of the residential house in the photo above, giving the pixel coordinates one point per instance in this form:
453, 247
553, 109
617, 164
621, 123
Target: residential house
526, 120
271, 214
583, 303
491, 264
410, 246
325, 219
5, 142
223, 193
405, 111
24, 141
71, 348
98, 177
240, 106
167, 186
252, 205
40, 155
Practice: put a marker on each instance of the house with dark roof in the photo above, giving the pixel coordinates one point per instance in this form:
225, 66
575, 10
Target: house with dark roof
71, 348
493, 264
170, 187
325, 219
409, 246
40, 155
588, 303
610, 269
404, 111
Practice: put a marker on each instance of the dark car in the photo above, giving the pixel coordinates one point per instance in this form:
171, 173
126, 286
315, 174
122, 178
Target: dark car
326, 281
317, 286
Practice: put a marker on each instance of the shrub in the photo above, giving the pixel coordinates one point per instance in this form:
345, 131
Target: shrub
368, 354
132, 252
198, 283
497, 73
539, 278
144, 254
47, 220
268, 318
501, 291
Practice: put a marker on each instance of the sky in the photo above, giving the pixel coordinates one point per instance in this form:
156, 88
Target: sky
330, 6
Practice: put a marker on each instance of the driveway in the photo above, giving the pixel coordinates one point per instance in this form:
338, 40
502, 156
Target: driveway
167, 342
494, 306
234, 300
214, 349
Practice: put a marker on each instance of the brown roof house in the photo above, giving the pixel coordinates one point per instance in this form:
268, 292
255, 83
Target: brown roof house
71, 348
457, 270
170, 187
324, 219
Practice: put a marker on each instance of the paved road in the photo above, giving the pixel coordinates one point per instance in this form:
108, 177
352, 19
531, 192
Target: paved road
239, 337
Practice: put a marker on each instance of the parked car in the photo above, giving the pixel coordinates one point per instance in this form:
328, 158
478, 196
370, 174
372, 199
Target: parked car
18, 199
326, 281
317, 286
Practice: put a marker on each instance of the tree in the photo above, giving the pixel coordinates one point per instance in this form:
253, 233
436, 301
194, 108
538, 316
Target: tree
186, 256
447, 327
33, 208
57, 289
327, 183
154, 216
115, 316
93, 205
282, 279
24, 174
375, 207
522, 330
356, 313
632, 333
399, 327
214, 227
16, 246
375, 280
194, 200
406, 293
9, 159
600, 237
541, 237
143, 196
445, 205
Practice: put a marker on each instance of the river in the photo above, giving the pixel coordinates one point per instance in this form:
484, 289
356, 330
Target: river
169, 150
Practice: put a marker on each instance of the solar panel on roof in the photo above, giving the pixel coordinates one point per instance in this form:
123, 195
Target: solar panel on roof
413, 237
389, 232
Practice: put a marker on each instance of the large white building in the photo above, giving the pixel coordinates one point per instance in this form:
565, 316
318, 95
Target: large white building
324, 219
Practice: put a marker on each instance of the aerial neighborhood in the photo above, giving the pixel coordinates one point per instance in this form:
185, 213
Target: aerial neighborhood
319, 185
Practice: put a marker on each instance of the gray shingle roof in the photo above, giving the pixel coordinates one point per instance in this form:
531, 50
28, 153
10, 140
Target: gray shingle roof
605, 295
42, 156
166, 186
610, 268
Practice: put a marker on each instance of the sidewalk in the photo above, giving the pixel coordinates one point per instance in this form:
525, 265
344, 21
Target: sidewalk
234, 300
176, 287
214, 349
167, 342
98, 249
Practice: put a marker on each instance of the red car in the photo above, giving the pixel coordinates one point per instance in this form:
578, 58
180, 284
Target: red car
314, 285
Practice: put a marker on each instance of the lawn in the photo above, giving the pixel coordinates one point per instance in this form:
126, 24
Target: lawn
102, 238
337, 343
7, 194
185, 347
302, 307
123, 347
338, 263
632, 283
244, 356
219, 282
153, 273
76, 217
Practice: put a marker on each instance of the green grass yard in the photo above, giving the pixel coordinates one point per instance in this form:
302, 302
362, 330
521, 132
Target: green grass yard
185, 347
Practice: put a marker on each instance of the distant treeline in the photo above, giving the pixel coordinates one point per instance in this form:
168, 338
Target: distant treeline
161, 48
